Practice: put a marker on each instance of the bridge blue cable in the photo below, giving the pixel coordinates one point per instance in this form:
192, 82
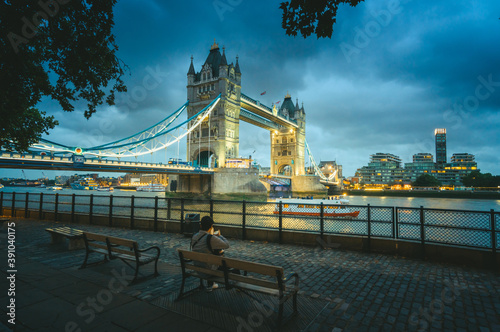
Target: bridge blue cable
104, 146
160, 134
176, 113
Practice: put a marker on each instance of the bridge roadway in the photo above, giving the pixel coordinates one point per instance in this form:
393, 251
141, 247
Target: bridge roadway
34, 161
262, 116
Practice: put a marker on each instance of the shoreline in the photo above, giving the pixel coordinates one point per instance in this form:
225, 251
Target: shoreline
423, 193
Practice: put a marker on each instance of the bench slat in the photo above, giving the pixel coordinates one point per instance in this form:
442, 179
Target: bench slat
122, 251
265, 269
235, 277
201, 269
98, 246
65, 231
255, 288
253, 281
201, 257
94, 236
122, 242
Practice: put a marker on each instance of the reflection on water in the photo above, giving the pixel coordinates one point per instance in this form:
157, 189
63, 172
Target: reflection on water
470, 227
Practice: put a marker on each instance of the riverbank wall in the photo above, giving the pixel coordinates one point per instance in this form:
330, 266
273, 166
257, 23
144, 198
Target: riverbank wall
439, 253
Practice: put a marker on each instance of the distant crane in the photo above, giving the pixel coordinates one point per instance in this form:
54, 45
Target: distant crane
25, 178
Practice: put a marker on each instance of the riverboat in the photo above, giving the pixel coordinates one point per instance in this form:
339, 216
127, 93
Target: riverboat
85, 184
105, 188
152, 187
334, 206
54, 188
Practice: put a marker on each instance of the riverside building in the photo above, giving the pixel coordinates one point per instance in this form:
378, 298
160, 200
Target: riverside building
385, 169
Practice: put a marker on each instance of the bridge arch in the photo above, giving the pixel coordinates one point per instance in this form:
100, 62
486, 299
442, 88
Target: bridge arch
204, 157
285, 169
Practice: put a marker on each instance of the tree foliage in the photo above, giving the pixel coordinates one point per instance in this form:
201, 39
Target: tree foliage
60, 49
311, 16
477, 179
426, 180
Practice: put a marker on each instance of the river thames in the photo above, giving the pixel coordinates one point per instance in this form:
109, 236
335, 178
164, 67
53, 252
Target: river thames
430, 203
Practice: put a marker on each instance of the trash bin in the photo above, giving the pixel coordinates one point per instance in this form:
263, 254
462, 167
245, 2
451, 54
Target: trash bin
191, 223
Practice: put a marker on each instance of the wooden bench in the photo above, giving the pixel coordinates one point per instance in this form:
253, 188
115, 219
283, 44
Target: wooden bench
257, 281
75, 236
123, 249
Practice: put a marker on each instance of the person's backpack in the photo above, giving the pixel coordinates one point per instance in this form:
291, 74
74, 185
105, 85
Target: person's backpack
217, 252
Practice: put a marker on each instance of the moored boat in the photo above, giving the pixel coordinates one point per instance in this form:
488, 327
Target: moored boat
152, 187
85, 184
332, 207
105, 188
54, 188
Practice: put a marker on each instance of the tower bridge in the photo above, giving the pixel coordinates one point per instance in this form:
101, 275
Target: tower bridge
218, 138
214, 110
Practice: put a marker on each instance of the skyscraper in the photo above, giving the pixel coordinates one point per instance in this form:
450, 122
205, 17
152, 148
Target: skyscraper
440, 135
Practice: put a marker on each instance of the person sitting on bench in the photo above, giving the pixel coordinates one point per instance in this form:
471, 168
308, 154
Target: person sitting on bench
208, 241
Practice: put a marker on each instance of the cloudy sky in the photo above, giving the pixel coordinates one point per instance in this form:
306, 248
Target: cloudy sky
392, 72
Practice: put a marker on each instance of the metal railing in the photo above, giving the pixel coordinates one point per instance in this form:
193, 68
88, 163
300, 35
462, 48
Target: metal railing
459, 228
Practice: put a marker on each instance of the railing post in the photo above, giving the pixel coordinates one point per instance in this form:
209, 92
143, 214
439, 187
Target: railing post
422, 231
393, 222
91, 208
322, 220
493, 238
1, 203
169, 207
73, 202
243, 220
40, 207
13, 205
26, 205
369, 230
396, 212
211, 208
156, 215
182, 215
280, 220
56, 207
132, 202
110, 218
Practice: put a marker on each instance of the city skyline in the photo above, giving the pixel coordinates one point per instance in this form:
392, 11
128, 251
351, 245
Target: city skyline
391, 73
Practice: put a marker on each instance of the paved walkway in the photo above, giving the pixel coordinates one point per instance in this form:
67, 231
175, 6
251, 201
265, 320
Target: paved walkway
340, 290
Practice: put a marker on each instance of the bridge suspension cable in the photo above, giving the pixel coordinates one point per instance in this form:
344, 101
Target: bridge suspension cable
155, 138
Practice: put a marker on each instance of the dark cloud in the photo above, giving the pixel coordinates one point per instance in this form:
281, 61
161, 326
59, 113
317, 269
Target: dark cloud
418, 69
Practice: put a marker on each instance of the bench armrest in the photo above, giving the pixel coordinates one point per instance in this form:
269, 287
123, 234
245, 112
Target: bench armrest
153, 247
295, 276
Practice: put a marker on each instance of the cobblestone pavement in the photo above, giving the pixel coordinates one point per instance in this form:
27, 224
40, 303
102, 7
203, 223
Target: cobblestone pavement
369, 292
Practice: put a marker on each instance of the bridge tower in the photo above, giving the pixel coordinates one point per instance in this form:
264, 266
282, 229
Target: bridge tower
218, 137
288, 145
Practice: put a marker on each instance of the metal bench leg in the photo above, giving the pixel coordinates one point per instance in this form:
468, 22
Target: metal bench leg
295, 303
85, 261
136, 273
280, 314
156, 268
182, 288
